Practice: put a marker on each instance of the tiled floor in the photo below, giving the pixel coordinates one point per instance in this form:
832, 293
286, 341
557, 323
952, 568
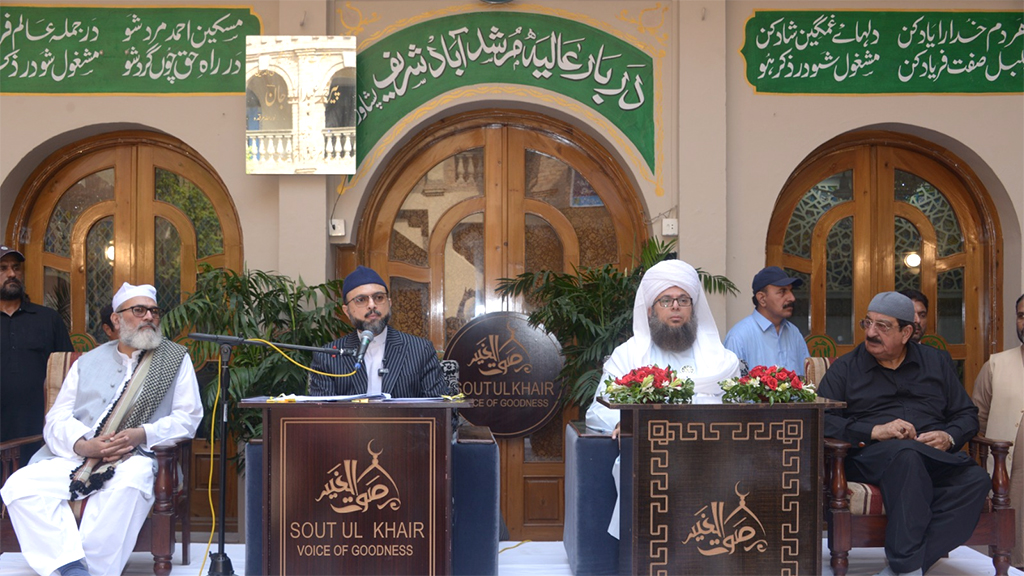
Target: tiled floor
531, 559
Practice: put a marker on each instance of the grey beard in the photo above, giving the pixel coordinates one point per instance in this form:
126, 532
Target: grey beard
673, 339
141, 339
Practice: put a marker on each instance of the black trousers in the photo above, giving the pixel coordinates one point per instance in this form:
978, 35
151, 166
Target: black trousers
932, 504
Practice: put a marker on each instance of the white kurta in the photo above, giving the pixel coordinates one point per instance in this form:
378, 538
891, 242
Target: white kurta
707, 363
37, 495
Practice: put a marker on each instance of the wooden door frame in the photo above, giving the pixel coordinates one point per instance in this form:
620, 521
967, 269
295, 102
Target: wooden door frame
982, 234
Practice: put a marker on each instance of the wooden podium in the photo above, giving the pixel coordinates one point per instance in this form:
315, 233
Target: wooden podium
726, 488
356, 488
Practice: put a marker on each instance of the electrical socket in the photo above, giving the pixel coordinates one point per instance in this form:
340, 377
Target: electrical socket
337, 227
669, 227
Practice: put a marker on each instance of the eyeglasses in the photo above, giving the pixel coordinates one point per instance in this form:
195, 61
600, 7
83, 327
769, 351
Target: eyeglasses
882, 327
140, 311
682, 301
378, 299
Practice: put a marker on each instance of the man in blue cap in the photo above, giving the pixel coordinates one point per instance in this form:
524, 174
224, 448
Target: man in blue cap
395, 363
767, 337
907, 415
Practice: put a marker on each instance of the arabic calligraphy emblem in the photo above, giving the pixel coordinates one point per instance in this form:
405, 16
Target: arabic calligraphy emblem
495, 357
715, 533
349, 490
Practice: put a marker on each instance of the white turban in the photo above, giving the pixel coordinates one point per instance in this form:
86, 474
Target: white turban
127, 292
714, 362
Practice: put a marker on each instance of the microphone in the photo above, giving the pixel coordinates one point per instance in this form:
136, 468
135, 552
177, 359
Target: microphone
365, 337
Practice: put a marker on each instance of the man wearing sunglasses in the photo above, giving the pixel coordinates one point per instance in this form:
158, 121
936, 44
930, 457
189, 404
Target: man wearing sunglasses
907, 415
395, 363
116, 403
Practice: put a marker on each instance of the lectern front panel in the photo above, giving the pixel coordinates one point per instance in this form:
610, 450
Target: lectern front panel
727, 490
360, 489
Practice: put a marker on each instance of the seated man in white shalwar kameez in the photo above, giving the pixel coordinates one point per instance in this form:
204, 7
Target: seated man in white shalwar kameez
672, 326
117, 402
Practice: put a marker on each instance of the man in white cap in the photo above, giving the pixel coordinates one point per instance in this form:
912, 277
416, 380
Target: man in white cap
29, 333
672, 326
907, 415
117, 402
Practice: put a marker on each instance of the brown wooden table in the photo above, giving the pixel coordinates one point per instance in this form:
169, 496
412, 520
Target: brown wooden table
356, 488
726, 488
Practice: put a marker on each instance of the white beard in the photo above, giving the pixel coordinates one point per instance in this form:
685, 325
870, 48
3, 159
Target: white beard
140, 339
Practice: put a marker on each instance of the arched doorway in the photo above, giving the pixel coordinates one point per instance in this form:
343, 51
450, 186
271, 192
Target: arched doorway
873, 211
487, 195
131, 206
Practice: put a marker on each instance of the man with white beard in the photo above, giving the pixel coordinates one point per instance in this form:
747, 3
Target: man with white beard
117, 402
672, 326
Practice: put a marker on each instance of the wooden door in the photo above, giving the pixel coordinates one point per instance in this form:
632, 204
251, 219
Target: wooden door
135, 207
488, 195
874, 212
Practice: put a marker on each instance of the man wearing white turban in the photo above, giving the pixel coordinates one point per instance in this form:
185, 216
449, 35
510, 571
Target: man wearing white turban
116, 403
672, 326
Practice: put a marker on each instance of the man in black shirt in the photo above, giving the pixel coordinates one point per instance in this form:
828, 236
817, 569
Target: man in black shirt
907, 415
28, 334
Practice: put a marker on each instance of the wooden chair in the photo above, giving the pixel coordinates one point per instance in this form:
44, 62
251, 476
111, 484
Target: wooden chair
170, 487
855, 516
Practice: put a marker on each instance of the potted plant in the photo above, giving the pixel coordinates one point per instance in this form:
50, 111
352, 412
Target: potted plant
257, 304
590, 312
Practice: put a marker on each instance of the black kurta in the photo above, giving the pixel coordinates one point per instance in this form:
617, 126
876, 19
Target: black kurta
932, 498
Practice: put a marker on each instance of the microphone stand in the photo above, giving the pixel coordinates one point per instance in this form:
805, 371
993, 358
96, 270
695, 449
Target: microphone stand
220, 563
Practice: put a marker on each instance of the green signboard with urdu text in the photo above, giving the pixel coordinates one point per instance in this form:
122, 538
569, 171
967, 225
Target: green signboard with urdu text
101, 50
879, 52
599, 70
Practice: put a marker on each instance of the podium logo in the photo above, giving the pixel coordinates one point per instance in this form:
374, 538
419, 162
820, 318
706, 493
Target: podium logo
350, 491
715, 532
493, 358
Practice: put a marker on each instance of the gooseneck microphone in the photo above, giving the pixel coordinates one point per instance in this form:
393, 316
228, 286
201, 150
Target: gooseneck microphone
365, 337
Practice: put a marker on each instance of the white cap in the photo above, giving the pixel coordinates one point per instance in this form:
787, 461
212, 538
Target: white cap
127, 292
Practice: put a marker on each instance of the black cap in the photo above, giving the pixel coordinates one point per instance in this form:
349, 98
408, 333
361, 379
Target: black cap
776, 277
5, 250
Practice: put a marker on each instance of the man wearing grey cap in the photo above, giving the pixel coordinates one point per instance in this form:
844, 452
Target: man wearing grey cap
28, 334
907, 415
767, 337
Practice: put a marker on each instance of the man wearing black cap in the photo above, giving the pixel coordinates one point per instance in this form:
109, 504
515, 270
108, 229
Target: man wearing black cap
395, 363
907, 415
766, 337
28, 334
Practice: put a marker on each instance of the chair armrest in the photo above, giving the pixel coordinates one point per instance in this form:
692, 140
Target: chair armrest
19, 442
835, 473
979, 448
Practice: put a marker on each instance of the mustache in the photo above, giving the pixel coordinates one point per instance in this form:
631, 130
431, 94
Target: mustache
873, 339
789, 306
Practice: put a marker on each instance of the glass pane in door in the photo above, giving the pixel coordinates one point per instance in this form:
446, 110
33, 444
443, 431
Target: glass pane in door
554, 182
839, 313
920, 193
190, 199
451, 181
821, 198
92, 189
410, 306
544, 251
99, 275
57, 292
908, 255
464, 297
167, 263
949, 310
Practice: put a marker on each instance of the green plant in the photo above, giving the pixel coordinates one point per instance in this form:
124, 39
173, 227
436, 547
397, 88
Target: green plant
590, 312
257, 304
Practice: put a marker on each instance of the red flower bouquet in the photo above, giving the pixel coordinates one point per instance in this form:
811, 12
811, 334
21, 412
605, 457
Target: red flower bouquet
649, 385
769, 384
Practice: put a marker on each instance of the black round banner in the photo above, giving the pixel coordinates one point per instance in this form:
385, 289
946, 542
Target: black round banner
508, 371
